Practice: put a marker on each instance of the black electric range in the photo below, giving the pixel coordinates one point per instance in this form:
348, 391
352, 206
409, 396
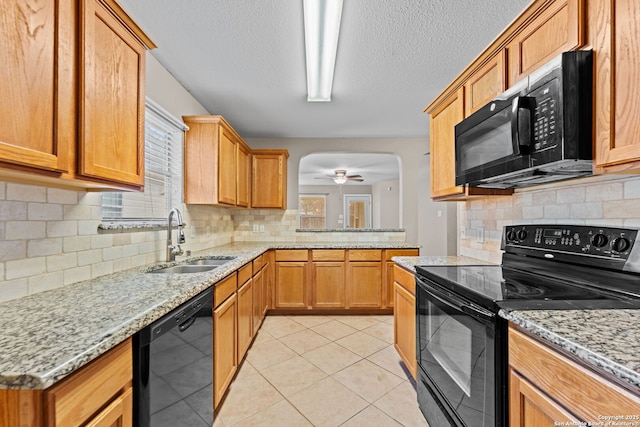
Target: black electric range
461, 340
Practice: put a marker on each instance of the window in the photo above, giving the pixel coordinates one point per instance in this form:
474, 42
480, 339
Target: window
163, 173
313, 211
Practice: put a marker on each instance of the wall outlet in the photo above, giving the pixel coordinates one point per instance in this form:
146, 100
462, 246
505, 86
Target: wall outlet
463, 232
262, 228
480, 236
256, 228
193, 231
208, 230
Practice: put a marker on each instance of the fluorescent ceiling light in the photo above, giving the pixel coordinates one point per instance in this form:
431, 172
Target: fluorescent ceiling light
321, 30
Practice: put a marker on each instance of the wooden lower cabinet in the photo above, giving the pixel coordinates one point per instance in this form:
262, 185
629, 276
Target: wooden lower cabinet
364, 284
245, 317
328, 284
547, 388
291, 284
98, 394
225, 341
404, 318
388, 290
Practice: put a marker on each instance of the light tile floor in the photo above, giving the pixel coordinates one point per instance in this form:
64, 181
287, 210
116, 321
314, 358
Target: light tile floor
322, 371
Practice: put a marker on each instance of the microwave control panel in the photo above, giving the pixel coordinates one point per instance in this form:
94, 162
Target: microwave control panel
546, 121
589, 242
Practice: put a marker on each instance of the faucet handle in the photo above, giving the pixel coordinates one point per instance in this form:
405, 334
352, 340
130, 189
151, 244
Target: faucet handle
176, 250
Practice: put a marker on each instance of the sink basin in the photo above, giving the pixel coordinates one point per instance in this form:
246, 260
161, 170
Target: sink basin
209, 261
185, 268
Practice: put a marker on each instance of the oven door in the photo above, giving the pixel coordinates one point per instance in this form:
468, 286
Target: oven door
459, 356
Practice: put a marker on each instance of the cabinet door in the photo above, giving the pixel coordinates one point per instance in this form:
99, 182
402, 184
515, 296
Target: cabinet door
364, 287
242, 178
328, 284
119, 412
75, 400
291, 284
225, 360
227, 167
37, 91
485, 84
558, 28
111, 139
269, 179
245, 318
616, 41
530, 407
258, 290
442, 137
404, 327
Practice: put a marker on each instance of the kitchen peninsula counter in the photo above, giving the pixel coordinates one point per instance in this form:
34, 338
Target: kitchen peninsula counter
48, 335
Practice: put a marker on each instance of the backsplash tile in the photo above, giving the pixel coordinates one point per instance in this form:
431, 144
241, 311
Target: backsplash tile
609, 200
49, 237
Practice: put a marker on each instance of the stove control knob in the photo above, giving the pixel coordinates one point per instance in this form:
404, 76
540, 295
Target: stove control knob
511, 235
620, 244
599, 240
522, 234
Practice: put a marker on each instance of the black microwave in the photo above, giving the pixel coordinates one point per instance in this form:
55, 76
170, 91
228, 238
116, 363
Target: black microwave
539, 131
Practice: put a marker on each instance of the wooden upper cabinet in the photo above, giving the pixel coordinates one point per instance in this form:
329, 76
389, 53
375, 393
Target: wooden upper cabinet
243, 180
486, 83
36, 87
269, 179
559, 27
227, 166
77, 68
112, 93
442, 138
616, 42
212, 162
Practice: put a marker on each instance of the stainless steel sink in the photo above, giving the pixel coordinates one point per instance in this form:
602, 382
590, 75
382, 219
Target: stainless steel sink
209, 261
185, 268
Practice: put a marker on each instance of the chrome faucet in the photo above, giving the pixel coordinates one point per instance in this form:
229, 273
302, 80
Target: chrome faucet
172, 251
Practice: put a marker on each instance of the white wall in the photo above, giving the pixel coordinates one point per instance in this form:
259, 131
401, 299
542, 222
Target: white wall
386, 198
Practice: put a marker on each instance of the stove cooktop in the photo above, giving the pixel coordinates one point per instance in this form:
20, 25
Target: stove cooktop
497, 287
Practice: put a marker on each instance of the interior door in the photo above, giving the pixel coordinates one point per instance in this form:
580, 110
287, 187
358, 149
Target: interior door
357, 210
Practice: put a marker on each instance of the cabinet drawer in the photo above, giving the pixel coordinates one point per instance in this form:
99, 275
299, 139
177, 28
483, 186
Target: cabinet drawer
245, 274
75, 399
291, 255
327, 254
365, 255
390, 253
224, 289
404, 278
257, 264
566, 381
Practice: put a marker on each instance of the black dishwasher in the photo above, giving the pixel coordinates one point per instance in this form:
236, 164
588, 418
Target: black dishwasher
173, 367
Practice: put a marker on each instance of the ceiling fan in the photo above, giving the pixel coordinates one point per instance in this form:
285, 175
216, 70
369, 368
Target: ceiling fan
340, 177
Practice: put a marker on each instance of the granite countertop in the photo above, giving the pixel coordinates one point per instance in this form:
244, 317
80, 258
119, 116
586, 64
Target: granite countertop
46, 336
607, 340
410, 262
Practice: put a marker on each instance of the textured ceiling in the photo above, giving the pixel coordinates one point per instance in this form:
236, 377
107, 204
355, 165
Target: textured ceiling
244, 59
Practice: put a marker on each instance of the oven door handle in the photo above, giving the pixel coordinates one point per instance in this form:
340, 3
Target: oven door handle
459, 304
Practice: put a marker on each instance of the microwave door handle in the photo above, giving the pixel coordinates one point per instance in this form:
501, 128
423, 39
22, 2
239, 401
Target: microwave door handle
521, 125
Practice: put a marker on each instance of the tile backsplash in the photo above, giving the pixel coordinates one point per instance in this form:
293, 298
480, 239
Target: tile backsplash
49, 237
611, 200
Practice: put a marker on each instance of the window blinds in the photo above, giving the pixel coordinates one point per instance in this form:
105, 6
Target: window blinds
163, 172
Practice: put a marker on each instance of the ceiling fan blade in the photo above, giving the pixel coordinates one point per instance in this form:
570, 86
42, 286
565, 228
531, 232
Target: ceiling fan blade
356, 179
354, 176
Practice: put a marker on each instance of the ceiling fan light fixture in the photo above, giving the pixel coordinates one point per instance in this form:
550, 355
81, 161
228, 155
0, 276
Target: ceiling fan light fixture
321, 30
340, 179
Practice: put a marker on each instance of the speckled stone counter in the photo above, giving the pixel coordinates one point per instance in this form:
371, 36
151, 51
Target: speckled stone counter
607, 340
410, 262
46, 336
